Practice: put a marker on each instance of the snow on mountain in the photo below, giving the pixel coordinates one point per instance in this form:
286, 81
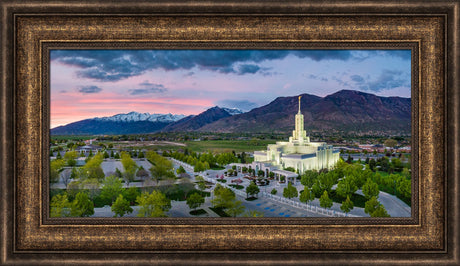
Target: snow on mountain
232, 111
135, 116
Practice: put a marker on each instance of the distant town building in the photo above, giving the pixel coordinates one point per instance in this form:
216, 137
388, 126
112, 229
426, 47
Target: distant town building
299, 153
87, 148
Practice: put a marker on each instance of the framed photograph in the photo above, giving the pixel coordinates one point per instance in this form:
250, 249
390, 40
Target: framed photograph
235, 133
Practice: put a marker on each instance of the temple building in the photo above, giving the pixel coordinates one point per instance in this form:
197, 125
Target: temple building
298, 153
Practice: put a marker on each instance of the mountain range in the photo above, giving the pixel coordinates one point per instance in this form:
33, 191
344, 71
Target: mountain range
345, 111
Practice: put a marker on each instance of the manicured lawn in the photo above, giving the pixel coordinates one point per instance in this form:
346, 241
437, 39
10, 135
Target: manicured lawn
219, 211
358, 200
198, 212
237, 186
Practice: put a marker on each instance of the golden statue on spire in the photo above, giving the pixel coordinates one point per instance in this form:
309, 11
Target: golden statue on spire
300, 96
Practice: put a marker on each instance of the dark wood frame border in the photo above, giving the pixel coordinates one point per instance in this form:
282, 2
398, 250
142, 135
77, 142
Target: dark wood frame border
27, 237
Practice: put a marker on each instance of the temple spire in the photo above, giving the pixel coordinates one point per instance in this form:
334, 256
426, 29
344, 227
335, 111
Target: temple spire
299, 102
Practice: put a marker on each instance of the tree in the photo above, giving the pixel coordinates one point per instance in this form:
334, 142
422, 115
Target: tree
154, 204
308, 178
274, 191
235, 208
347, 205
385, 164
222, 197
92, 168
199, 167
226, 158
390, 143
370, 189
91, 185
60, 206
195, 200
55, 169
82, 206
118, 173
404, 189
72, 189
306, 195
121, 207
346, 187
161, 170
252, 189
180, 170
111, 188
201, 182
106, 155
243, 157
380, 211
397, 164
71, 158
349, 159
67, 175
130, 167
371, 205
142, 173
130, 194
406, 173
372, 165
326, 181
290, 191
140, 155
325, 201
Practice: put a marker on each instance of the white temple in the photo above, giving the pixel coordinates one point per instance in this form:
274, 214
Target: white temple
299, 152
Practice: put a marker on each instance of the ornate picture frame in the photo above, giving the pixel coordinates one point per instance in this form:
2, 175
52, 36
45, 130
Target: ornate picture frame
30, 29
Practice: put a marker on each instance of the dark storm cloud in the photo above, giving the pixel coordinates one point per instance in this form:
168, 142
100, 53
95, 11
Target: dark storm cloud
148, 88
319, 55
404, 54
248, 69
388, 79
114, 65
357, 78
360, 55
147, 83
311, 76
89, 89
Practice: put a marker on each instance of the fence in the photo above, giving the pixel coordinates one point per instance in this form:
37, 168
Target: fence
311, 208
185, 165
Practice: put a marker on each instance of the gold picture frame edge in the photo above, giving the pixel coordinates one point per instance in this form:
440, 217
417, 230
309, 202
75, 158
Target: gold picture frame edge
448, 255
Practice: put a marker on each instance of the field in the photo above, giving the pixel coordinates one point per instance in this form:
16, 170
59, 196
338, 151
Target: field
220, 146
215, 146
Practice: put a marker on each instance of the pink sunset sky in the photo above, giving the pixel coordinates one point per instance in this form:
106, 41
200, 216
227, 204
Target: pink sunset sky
98, 83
